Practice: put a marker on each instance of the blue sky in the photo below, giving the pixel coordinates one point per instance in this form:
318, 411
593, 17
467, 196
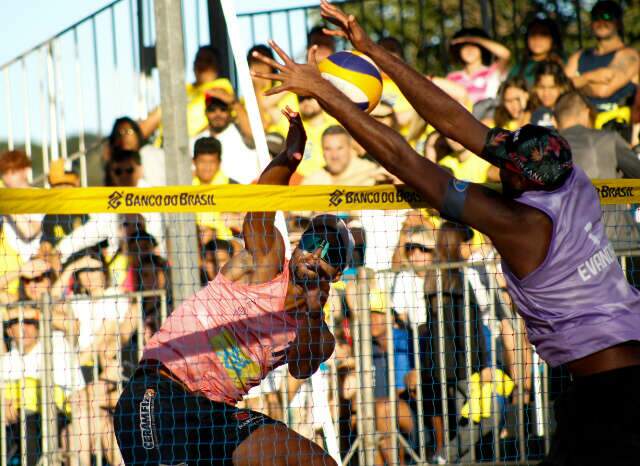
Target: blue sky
29, 22
98, 84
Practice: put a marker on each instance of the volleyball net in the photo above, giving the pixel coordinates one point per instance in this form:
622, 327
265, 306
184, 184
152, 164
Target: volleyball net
431, 362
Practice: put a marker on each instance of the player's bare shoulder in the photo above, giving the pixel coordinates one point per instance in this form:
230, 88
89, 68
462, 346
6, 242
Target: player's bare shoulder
240, 267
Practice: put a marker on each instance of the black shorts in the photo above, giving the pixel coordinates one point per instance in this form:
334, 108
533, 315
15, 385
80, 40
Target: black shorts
598, 421
157, 422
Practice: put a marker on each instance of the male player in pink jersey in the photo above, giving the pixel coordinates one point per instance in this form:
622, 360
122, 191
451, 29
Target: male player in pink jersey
560, 268
260, 312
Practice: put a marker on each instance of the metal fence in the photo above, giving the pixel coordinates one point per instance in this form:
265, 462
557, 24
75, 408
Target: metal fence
529, 423
61, 97
46, 400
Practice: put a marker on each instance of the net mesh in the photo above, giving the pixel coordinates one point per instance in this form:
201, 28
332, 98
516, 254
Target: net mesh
418, 353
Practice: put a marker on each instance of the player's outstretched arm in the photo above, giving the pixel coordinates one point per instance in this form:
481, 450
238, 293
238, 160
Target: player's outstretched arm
432, 104
261, 236
507, 223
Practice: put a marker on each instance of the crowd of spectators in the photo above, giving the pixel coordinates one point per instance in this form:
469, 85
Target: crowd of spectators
93, 267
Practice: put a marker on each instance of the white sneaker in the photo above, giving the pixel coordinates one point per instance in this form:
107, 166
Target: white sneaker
437, 459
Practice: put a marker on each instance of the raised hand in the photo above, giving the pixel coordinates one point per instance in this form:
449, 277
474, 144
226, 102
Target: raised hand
295, 77
296, 137
350, 29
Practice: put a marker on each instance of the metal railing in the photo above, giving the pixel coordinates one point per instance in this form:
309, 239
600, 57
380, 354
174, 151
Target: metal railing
48, 404
366, 442
61, 95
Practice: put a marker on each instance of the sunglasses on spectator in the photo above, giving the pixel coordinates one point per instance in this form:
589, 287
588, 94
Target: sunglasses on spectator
37, 279
126, 131
121, 171
10, 322
311, 242
602, 16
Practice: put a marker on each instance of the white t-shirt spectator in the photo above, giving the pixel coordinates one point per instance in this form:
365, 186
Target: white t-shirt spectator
66, 368
93, 314
408, 297
239, 162
153, 164
102, 227
382, 230
26, 248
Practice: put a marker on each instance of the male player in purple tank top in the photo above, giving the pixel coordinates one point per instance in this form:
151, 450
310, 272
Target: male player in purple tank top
561, 271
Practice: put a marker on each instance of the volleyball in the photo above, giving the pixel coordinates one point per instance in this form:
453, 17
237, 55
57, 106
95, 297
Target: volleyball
356, 76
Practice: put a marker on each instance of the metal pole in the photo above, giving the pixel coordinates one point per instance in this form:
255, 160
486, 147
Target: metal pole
59, 82
218, 35
3, 415
97, 437
170, 57
22, 382
96, 65
484, 13
27, 122
49, 415
495, 412
79, 99
51, 84
576, 6
522, 368
43, 118
116, 71
333, 377
366, 353
468, 355
393, 396
442, 362
163, 307
140, 332
422, 441
355, 326
7, 96
546, 407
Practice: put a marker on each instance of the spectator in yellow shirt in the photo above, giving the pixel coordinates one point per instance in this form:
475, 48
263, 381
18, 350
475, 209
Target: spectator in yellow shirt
207, 156
206, 69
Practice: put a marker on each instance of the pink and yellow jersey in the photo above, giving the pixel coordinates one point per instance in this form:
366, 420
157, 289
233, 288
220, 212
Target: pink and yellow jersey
227, 337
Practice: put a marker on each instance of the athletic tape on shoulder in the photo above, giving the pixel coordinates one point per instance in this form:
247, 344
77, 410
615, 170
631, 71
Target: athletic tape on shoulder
454, 199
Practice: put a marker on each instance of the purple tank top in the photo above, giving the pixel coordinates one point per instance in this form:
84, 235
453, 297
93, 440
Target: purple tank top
578, 301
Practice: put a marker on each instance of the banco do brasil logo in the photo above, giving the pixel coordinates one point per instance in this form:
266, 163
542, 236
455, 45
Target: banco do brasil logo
335, 198
152, 200
115, 200
374, 197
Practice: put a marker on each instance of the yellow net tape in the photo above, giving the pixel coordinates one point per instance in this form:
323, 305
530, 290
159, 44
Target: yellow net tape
242, 198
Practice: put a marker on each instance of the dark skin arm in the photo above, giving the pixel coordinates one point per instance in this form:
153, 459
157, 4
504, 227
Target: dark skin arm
510, 225
262, 239
436, 107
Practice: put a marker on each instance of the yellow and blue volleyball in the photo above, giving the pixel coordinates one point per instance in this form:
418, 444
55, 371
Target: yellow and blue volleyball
356, 76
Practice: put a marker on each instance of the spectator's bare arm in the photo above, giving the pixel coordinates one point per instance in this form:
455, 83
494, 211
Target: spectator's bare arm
151, 123
622, 70
502, 53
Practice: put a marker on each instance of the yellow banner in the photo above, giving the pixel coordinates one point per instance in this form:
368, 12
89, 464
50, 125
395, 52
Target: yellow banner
243, 198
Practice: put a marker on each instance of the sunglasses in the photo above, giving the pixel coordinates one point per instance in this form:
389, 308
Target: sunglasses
126, 132
302, 98
122, 171
10, 322
603, 16
38, 279
311, 242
